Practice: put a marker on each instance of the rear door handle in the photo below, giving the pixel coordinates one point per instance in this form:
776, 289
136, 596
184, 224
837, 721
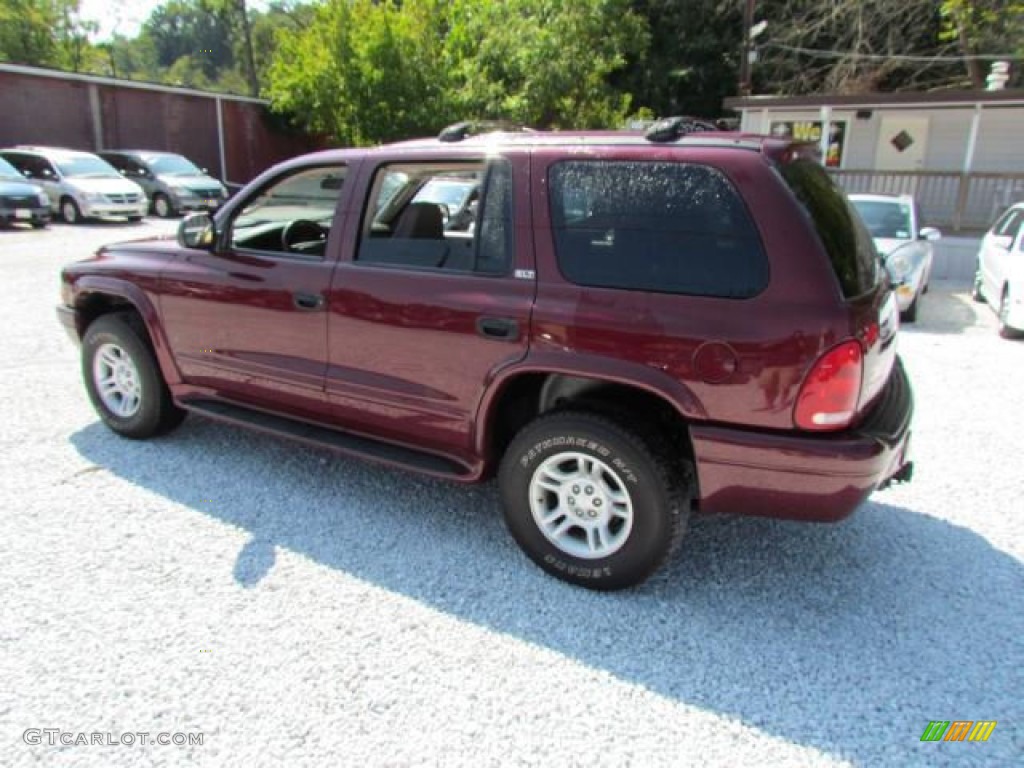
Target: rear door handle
310, 302
503, 328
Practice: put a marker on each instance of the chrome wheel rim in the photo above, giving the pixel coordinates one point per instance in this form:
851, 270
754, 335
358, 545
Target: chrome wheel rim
69, 212
117, 380
581, 505
1004, 311
163, 208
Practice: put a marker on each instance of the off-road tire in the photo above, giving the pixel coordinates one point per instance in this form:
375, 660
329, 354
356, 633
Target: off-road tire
658, 485
156, 413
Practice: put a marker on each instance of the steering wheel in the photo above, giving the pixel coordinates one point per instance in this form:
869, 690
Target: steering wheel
301, 235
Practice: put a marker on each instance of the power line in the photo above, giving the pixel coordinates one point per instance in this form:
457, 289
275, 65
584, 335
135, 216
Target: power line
826, 54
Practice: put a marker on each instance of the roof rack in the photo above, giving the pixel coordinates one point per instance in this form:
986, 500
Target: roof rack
467, 128
672, 128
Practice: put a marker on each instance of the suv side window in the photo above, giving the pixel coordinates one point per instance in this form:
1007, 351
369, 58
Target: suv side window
448, 216
654, 226
291, 215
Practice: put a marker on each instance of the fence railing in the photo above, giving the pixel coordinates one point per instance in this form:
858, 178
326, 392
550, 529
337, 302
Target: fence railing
952, 200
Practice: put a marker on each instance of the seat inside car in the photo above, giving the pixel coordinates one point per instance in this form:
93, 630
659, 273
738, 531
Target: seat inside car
420, 221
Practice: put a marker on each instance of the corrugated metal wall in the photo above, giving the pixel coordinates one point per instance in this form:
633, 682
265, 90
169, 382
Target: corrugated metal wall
92, 115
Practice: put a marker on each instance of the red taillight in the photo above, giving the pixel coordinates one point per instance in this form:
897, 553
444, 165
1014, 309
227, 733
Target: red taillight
828, 398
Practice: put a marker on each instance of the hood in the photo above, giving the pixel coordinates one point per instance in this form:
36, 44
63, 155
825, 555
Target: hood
116, 186
197, 181
887, 245
18, 188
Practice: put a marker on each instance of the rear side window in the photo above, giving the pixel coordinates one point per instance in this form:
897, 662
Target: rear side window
654, 226
846, 240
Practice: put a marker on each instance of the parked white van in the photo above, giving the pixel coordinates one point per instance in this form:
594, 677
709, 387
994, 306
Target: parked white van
80, 185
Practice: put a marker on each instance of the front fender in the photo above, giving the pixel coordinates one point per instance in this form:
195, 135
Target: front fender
100, 285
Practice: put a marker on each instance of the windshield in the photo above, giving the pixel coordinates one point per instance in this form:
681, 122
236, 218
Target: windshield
171, 165
450, 193
86, 167
8, 171
311, 194
885, 219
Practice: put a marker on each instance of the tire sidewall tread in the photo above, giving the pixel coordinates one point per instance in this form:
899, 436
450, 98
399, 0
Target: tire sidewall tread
157, 412
660, 497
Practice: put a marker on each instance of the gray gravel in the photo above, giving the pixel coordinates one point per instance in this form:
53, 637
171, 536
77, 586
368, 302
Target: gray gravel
298, 608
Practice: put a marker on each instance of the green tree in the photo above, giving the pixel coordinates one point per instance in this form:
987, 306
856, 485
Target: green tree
980, 27
367, 71
364, 71
546, 63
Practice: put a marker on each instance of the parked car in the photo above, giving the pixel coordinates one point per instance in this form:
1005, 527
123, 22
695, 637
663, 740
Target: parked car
21, 200
173, 183
458, 197
641, 327
999, 279
904, 244
80, 185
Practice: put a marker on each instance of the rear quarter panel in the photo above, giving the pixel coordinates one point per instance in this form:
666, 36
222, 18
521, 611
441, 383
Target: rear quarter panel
739, 360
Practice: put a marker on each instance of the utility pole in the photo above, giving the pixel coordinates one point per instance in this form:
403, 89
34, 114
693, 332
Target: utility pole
746, 48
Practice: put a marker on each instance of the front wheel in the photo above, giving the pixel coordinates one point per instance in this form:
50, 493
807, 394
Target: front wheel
592, 502
1006, 330
124, 381
162, 206
69, 211
976, 293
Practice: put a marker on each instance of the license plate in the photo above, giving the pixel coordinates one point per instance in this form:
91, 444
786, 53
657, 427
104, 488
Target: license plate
22, 213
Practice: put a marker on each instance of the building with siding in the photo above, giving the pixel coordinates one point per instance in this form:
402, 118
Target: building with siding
960, 152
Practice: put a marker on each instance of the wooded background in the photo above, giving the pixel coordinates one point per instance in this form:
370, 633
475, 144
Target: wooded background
365, 71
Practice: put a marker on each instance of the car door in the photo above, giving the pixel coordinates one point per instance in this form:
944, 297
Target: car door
995, 252
246, 320
421, 318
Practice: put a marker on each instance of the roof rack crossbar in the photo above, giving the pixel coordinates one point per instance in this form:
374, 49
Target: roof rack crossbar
672, 128
462, 130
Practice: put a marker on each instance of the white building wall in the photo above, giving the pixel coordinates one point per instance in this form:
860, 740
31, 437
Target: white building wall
999, 148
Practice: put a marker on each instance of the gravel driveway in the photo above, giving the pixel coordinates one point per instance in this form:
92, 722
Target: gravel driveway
297, 608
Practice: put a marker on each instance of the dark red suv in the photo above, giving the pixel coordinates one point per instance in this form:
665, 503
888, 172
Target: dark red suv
625, 328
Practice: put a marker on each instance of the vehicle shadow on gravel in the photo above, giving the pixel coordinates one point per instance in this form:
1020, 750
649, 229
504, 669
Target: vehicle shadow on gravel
846, 638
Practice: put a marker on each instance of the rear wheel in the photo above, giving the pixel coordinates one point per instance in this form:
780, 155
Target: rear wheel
592, 502
124, 381
1005, 330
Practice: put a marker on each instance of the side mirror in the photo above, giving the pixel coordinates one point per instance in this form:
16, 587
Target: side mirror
197, 231
930, 233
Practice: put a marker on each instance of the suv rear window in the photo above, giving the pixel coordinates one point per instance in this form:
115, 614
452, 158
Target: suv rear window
654, 226
846, 240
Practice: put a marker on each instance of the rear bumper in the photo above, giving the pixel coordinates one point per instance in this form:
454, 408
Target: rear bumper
806, 477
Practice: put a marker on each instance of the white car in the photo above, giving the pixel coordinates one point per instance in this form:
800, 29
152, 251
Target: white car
903, 243
80, 185
1000, 276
